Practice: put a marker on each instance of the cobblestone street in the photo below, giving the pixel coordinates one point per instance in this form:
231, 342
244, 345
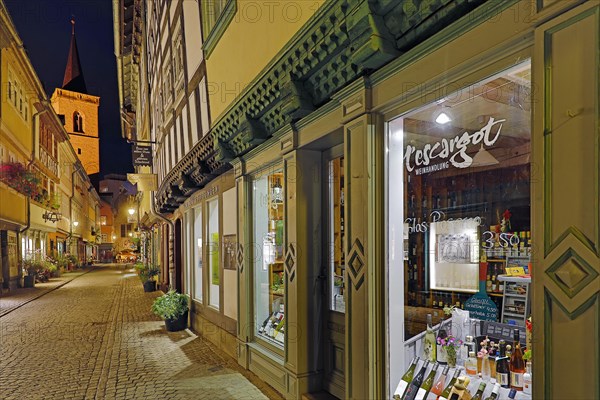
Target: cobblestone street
96, 338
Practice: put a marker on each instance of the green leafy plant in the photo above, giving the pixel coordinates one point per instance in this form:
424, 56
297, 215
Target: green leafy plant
171, 305
146, 272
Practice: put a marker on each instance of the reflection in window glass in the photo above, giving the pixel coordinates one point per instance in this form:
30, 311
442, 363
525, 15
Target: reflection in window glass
269, 280
213, 252
197, 246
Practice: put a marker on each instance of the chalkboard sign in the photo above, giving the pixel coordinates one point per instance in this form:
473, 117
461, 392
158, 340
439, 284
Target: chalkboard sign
480, 306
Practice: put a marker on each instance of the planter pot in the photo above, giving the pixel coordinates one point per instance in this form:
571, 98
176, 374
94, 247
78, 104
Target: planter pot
29, 281
178, 324
149, 286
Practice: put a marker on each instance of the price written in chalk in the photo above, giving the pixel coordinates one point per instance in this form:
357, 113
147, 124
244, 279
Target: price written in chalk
480, 306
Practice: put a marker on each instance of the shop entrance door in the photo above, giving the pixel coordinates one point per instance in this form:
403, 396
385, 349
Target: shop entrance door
333, 272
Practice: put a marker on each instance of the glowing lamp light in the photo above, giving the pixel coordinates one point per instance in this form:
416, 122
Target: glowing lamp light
75, 223
114, 237
131, 211
443, 118
130, 234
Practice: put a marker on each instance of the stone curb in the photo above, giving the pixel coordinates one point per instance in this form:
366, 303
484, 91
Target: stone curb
2, 314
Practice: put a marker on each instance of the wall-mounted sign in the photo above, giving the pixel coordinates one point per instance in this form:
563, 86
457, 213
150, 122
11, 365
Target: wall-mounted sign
145, 182
444, 153
142, 155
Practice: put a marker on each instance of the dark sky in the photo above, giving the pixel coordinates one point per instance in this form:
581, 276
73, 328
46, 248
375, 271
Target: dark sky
45, 29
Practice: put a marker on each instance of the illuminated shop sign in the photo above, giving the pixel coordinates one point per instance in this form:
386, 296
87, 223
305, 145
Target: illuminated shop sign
443, 153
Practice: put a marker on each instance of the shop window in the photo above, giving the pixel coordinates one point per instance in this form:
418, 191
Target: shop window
269, 278
197, 246
336, 260
214, 253
459, 213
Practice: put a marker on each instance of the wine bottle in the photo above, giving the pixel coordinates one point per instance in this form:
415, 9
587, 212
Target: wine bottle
527, 378
414, 386
517, 365
427, 384
438, 387
446, 393
494, 394
406, 379
429, 346
488, 280
502, 367
442, 356
479, 392
471, 364
493, 280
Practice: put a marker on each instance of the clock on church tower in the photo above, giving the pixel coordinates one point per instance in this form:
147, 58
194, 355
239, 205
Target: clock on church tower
79, 110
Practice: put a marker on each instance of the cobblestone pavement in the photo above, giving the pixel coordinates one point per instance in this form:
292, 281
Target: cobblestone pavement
95, 338
11, 300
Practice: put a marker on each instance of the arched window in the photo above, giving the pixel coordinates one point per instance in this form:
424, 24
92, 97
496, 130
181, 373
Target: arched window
77, 122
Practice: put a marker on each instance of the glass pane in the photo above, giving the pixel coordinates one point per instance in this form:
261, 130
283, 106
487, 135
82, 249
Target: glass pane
337, 262
197, 245
213, 252
269, 281
459, 211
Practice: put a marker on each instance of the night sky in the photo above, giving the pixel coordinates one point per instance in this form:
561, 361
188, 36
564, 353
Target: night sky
45, 29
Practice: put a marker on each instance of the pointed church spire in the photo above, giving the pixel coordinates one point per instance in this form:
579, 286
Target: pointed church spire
73, 79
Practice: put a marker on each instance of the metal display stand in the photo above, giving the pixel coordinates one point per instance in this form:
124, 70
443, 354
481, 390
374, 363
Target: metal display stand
516, 302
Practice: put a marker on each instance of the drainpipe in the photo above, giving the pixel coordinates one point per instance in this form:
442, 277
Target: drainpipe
76, 168
171, 247
29, 164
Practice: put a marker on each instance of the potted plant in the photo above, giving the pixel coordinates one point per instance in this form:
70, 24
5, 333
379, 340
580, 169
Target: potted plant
147, 274
30, 265
173, 307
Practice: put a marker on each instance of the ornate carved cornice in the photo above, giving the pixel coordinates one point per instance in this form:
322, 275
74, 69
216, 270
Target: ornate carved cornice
344, 40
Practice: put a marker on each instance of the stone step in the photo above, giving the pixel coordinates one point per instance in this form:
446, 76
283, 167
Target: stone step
318, 396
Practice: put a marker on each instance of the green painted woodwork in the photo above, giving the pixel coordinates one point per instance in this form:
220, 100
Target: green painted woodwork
344, 40
212, 37
571, 272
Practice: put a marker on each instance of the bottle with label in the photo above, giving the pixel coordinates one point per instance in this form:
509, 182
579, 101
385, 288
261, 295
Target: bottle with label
517, 365
494, 394
467, 347
442, 356
406, 379
438, 387
471, 364
446, 393
488, 280
413, 388
479, 392
527, 379
502, 366
493, 280
429, 345
460, 387
427, 384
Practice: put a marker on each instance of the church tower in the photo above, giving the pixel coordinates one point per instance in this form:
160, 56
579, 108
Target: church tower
79, 110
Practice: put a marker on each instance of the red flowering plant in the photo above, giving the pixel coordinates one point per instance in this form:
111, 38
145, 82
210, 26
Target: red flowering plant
24, 181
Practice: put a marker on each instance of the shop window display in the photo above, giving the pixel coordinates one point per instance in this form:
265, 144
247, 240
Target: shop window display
197, 246
214, 253
269, 276
461, 166
337, 263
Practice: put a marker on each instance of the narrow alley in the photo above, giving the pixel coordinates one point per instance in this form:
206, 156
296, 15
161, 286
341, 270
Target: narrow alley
96, 338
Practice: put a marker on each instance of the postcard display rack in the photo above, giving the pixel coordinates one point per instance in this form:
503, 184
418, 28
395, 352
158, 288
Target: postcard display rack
273, 326
516, 299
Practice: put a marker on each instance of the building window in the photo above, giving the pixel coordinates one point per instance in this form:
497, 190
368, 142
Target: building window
214, 253
103, 220
78, 150
123, 230
269, 277
459, 213
77, 122
216, 16
197, 246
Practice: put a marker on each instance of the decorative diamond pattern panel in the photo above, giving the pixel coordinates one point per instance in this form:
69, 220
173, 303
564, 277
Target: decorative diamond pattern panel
356, 264
290, 261
240, 257
571, 273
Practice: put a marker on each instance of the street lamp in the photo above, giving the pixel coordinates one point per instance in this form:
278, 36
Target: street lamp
131, 211
75, 223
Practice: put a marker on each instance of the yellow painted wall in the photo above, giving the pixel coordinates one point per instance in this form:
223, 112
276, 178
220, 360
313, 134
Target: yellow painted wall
258, 31
13, 206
